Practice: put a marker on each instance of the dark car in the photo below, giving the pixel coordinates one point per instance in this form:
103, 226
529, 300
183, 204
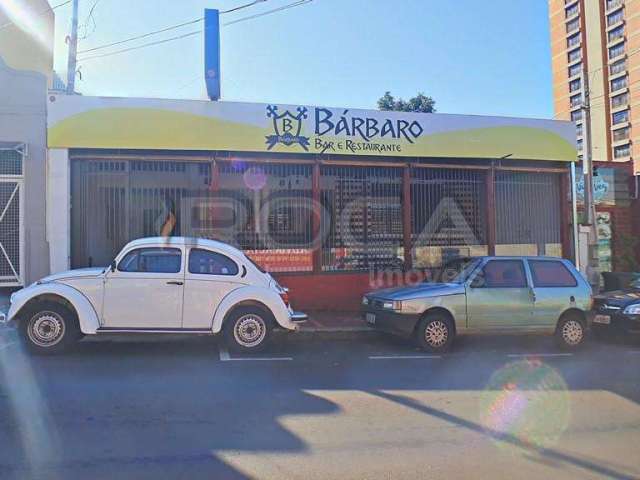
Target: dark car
618, 312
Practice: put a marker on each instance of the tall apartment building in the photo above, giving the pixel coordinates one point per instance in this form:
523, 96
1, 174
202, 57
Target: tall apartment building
601, 39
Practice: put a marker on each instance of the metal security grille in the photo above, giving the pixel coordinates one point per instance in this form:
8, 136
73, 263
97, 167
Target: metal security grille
11, 215
528, 214
255, 207
448, 214
362, 218
11, 158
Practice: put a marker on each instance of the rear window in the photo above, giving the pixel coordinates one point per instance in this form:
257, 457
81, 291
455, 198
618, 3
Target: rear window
551, 274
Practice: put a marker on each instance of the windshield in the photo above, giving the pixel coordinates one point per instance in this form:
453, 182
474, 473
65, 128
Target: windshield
456, 271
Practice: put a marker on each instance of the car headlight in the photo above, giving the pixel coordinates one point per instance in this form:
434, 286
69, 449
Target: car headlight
633, 309
365, 301
392, 305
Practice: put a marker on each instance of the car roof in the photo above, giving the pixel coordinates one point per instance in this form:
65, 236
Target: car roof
186, 241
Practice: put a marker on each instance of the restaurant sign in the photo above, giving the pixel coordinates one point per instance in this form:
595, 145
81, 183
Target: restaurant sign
137, 123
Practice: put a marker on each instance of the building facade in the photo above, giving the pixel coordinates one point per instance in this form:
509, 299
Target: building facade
600, 39
25, 74
333, 201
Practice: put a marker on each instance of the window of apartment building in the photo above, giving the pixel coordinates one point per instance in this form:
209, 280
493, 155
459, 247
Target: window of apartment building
571, 11
573, 25
620, 100
621, 151
579, 144
613, 4
573, 40
574, 55
615, 17
576, 115
616, 33
618, 83
616, 51
575, 100
618, 67
620, 117
575, 69
621, 134
574, 85
579, 130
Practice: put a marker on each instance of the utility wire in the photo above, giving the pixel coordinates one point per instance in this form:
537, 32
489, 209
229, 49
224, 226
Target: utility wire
242, 6
145, 35
157, 42
178, 37
8, 24
166, 29
269, 12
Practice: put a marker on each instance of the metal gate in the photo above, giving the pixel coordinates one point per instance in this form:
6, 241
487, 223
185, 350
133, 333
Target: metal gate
11, 214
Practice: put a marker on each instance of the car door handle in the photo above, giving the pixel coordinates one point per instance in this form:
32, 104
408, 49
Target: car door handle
175, 283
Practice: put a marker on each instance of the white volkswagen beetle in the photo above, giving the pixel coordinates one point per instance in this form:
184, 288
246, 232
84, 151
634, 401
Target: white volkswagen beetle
157, 285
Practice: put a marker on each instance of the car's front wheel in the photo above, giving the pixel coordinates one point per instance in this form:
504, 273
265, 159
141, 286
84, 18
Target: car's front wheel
571, 331
435, 333
248, 329
49, 328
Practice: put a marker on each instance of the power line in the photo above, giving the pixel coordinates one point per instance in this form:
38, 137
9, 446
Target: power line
145, 35
179, 37
8, 24
157, 42
242, 6
269, 12
166, 29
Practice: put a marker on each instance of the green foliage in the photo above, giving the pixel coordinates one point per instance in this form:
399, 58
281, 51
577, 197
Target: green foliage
420, 103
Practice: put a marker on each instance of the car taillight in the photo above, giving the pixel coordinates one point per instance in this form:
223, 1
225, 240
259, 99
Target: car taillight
285, 297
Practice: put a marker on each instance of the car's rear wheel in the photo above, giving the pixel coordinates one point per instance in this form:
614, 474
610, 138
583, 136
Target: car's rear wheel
435, 333
248, 329
571, 331
49, 328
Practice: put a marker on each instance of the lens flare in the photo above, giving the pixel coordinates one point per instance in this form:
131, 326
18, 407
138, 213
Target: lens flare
255, 178
525, 404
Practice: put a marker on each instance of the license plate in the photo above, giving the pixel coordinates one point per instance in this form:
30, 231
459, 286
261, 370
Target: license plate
371, 318
604, 319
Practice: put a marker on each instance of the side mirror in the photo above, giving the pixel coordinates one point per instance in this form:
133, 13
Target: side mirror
112, 266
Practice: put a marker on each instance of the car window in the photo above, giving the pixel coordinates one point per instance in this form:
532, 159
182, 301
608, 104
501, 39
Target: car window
152, 260
501, 274
205, 262
548, 273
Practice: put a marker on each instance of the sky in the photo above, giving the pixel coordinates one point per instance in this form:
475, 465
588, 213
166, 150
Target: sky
471, 56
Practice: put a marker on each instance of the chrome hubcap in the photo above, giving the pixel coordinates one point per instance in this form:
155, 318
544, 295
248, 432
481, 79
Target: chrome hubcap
436, 333
46, 329
572, 332
250, 330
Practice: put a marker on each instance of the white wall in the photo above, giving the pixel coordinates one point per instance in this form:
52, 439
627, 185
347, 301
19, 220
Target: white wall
59, 209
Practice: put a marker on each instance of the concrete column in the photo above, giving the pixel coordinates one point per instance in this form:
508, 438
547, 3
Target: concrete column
58, 209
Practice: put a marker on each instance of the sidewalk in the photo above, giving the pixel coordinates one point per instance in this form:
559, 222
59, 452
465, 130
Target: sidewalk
323, 321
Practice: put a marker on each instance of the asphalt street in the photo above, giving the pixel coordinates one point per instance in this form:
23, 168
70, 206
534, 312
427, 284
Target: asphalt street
314, 407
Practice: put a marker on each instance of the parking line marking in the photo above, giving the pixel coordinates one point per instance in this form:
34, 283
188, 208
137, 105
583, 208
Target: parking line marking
520, 355
224, 354
404, 357
260, 359
225, 357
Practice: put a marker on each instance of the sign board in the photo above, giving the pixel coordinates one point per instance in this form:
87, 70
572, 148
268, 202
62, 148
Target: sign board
212, 53
140, 123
